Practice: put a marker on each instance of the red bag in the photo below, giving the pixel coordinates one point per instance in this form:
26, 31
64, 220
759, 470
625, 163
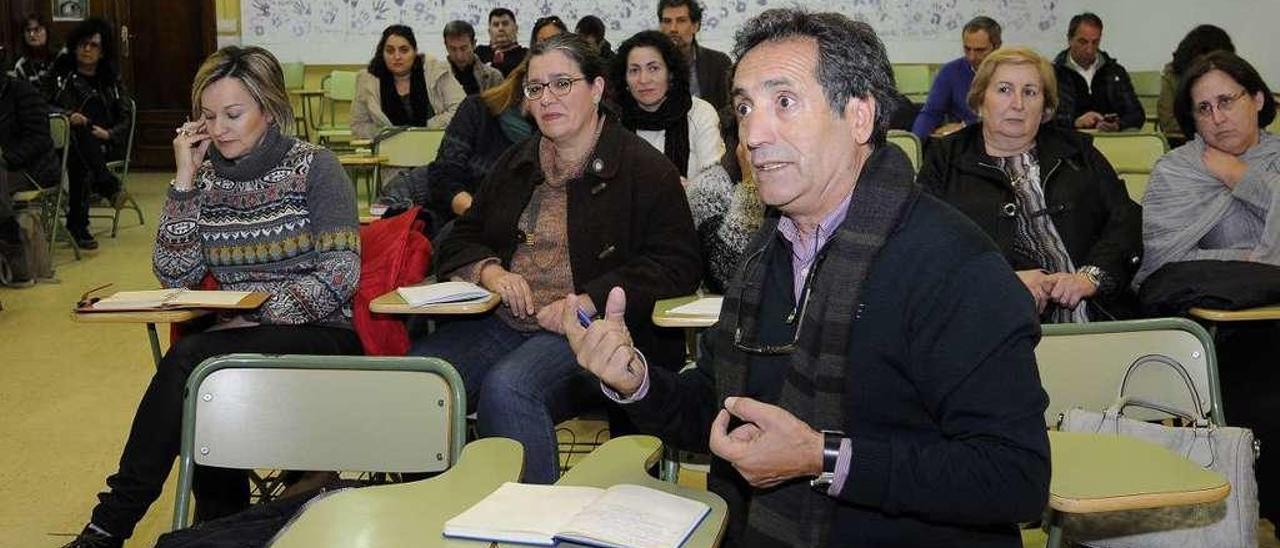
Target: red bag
394, 252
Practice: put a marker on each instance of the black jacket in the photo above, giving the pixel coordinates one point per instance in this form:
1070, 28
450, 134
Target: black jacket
1092, 211
945, 413
472, 143
629, 225
715, 70
24, 131
1112, 92
102, 100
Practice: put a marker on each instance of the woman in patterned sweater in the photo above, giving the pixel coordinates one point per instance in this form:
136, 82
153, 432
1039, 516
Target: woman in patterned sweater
257, 211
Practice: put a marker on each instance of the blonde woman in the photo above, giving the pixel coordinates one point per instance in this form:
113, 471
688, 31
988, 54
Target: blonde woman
255, 210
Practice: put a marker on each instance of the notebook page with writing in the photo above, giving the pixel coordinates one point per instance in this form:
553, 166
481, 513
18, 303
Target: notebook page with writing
635, 516
518, 512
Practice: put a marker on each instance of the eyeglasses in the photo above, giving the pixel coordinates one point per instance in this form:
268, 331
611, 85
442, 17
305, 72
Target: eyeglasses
90, 45
1224, 104
559, 87
750, 342
34, 30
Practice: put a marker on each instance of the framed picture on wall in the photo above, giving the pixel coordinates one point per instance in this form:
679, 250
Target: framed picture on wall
70, 10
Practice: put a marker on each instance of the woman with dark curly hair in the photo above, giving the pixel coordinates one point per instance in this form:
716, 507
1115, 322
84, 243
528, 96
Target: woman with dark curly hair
1201, 40
651, 82
88, 88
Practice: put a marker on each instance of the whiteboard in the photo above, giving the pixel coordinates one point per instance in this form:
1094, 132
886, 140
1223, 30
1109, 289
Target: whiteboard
1140, 33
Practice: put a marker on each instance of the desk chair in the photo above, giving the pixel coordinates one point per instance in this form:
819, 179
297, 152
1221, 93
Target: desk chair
403, 148
1082, 365
295, 75
913, 80
120, 168
339, 88
909, 144
52, 201
320, 413
1132, 155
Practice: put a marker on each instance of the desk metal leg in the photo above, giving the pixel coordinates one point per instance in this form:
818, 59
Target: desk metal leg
1055, 529
155, 343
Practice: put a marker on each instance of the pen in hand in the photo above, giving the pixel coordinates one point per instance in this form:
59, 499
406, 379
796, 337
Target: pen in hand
584, 320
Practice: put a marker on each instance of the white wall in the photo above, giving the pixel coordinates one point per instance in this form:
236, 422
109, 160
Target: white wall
1140, 33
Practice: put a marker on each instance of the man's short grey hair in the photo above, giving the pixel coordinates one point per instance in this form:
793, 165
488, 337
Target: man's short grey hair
852, 61
987, 25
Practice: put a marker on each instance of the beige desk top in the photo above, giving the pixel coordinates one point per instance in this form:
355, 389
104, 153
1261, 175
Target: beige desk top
408, 514
157, 316
1249, 314
306, 92
1106, 473
662, 316
392, 303
361, 160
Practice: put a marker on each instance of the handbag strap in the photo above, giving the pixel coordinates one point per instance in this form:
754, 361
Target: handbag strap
1117, 409
1178, 368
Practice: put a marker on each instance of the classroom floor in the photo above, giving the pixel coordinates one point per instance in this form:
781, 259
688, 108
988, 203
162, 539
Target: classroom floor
68, 391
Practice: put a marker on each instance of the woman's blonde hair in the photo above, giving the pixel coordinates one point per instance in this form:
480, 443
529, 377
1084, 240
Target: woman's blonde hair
510, 92
1015, 56
260, 73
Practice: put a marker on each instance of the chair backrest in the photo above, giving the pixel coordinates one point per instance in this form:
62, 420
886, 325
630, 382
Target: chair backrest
122, 169
1083, 365
1131, 152
909, 144
339, 85
353, 413
408, 147
1136, 185
294, 75
1146, 83
913, 80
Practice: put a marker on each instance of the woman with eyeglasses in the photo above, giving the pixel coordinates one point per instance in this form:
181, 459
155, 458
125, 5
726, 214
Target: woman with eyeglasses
547, 27
1218, 196
581, 208
651, 79
403, 88
1199, 41
89, 90
1049, 199
37, 55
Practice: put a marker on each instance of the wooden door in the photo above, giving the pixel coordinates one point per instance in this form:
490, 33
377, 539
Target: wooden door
162, 43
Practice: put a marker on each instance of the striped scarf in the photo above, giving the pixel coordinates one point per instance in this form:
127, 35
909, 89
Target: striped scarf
792, 513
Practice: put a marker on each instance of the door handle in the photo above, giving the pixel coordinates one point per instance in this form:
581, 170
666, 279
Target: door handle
124, 41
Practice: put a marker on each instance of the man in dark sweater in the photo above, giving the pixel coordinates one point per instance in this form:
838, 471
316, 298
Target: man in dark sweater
708, 69
503, 51
871, 381
460, 43
1094, 90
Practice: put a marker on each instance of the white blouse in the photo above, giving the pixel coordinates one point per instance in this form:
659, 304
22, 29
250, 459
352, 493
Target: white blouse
705, 144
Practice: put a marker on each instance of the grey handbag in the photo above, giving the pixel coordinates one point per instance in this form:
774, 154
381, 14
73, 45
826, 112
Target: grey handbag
1230, 451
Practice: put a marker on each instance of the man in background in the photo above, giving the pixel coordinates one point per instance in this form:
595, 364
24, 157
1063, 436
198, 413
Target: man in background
503, 51
460, 44
709, 69
1094, 90
948, 96
591, 28
26, 157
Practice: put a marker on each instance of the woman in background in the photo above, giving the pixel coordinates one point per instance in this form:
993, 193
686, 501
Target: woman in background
402, 87
651, 81
1050, 201
484, 127
36, 61
234, 163
88, 89
545, 28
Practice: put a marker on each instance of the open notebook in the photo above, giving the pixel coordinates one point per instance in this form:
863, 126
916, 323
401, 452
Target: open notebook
622, 515
166, 299
443, 292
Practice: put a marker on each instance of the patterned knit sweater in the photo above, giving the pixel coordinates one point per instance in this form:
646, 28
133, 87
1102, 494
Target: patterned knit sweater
281, 219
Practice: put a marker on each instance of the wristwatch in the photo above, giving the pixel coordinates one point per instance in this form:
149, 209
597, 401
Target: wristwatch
1091, 273
831, 440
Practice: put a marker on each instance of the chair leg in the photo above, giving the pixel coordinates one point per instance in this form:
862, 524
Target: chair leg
115, 223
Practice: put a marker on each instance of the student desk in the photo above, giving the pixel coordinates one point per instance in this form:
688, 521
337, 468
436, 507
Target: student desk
361, 165
1107, 473
1215, 317
392, 303
151, 318
663, 317
413, 514
305, 95
407, 514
